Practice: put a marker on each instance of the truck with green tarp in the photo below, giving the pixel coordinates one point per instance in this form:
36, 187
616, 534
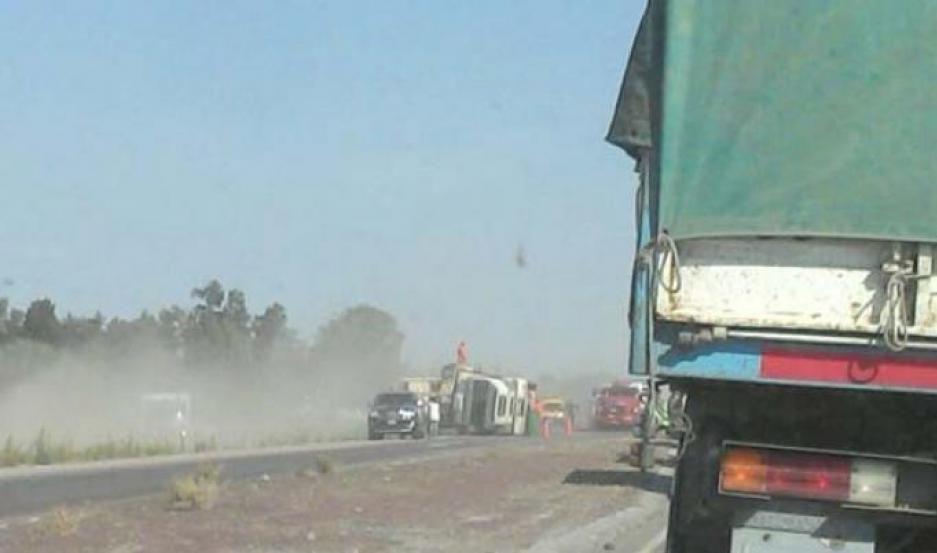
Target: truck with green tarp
783, 280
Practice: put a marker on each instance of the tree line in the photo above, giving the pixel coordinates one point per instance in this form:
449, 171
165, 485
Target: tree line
218, 330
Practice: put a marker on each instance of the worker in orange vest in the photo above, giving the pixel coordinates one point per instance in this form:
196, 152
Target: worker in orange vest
545, 422
570, 417
461, 354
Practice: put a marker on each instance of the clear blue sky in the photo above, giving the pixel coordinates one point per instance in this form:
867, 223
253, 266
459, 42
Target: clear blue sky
324, 154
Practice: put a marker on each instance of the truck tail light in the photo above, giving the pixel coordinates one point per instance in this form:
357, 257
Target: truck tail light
744, 470
808, 476
873, 482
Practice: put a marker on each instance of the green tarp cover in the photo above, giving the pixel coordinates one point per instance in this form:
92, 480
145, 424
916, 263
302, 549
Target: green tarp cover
787, 117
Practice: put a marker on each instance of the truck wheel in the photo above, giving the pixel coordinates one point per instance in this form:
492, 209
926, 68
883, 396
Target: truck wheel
694, 525
375, 436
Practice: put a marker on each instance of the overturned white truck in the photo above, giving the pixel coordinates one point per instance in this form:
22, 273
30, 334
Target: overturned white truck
473, 402
484, 404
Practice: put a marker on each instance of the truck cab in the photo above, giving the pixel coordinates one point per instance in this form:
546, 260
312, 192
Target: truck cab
617, 406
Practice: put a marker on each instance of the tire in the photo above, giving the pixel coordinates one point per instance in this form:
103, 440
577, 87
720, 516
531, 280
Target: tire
375, 435
694, 524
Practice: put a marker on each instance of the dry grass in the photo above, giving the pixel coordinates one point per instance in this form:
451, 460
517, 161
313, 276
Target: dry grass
324, 465
46, 451
61, 521
12, 455
321, 466
198, 490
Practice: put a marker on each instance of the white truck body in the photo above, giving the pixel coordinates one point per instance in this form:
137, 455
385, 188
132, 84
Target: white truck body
802, 284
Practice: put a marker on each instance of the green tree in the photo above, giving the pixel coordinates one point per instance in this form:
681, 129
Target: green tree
217, 330
17, 317
171, 323
40, 323
267, 329
81, 331
203, 334
212, 294
129, 337
235, 326
363, 343
7, 331
235, 310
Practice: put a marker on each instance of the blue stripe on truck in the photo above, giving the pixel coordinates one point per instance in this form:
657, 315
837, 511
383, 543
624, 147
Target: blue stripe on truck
728, 360
745, 362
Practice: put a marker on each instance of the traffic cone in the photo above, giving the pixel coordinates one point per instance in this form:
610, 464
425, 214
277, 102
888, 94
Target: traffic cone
569, 426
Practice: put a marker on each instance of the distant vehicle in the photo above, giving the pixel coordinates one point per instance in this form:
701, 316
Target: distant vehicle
400, 413
617, 406
474, 402
639, 385
552, 407
423, 386
166, 416
555, 412
451, 395
519, 404
487, 404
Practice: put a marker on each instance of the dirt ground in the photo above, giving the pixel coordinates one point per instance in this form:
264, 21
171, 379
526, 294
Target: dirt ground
568, 494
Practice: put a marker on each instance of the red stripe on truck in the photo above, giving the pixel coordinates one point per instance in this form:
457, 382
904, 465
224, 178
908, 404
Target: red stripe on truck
880, 370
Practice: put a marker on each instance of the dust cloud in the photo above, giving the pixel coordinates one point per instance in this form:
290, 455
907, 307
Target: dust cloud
76, 401
211, 377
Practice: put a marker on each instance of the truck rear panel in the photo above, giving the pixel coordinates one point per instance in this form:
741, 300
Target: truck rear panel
767, 220
784, 281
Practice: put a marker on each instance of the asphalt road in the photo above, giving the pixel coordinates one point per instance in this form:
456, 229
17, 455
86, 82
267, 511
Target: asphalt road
25, 490
635, 527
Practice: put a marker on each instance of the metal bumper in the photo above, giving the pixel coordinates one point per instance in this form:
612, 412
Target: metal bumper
762, 531
616, 419
379, 426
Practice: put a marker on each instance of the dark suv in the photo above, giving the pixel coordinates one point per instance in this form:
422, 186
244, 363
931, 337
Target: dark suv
401, 413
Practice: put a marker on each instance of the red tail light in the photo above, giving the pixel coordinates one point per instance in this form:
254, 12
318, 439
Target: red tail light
808, 476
